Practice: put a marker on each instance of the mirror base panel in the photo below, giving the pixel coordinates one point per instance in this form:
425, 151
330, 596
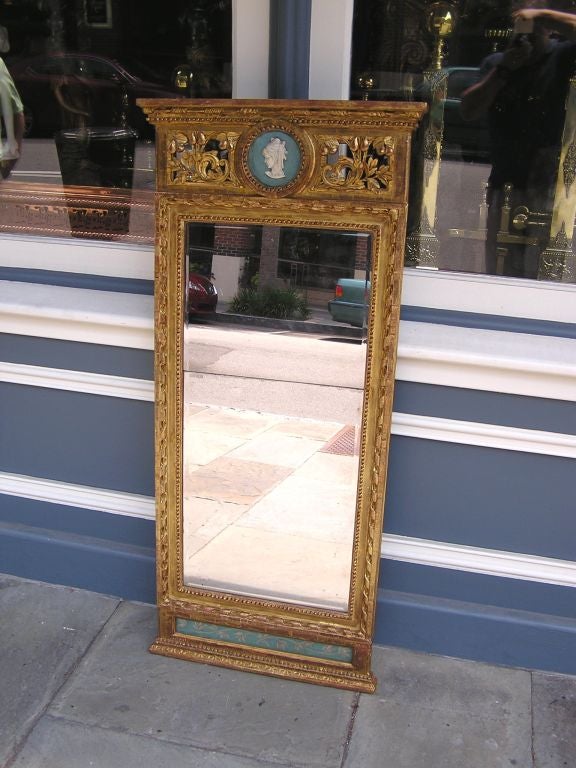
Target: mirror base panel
247, 659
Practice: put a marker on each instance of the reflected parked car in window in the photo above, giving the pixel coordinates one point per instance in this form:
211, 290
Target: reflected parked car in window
70, 90
202, 296
351, 298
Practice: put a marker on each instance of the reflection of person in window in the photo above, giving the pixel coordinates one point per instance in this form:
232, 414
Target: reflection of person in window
523, 92
12, 112
73, 95
274, 157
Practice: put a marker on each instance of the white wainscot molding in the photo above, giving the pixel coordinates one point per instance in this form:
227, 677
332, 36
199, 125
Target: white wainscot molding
494, 361
485, 435
77, 381
81, 496
488, 562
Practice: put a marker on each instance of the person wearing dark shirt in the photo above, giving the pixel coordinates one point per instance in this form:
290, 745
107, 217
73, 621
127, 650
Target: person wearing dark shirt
523, 91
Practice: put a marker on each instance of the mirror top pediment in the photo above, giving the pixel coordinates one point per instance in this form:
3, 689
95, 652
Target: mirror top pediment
344, 149
393, 114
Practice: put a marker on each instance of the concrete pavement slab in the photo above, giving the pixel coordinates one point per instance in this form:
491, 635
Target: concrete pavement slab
121, 686
45, 631
59, 744
554, 714
431, 712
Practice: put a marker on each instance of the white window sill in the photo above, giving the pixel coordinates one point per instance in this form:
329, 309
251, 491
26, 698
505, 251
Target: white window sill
77, 314
490, 295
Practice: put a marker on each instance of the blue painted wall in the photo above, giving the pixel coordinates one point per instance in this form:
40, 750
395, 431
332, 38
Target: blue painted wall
481, 497
77, 438
462, 494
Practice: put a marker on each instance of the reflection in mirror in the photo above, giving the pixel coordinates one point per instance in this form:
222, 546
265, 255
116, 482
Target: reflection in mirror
274, 365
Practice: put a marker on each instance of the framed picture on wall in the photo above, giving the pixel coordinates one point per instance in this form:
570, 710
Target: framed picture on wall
98, 13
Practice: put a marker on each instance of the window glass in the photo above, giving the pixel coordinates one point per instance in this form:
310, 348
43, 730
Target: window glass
494, 164
77, 154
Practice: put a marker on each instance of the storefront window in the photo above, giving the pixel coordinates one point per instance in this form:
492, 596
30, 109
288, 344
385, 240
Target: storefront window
494, 169
85, 164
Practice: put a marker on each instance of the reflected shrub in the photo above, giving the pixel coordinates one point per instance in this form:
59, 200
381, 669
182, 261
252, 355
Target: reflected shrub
279, 303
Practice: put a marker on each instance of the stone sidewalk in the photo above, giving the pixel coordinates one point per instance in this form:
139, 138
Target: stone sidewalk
79, 688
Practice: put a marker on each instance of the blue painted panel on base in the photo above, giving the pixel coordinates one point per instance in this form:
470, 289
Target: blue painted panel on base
203, 630
78, 561
479, 633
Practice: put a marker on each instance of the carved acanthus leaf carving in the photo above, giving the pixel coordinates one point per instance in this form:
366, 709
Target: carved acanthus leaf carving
367, 164
201, 157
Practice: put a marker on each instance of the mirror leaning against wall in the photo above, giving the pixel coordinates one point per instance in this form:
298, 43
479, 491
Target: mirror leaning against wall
274, 392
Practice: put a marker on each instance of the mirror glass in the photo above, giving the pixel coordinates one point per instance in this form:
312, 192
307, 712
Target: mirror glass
274, 366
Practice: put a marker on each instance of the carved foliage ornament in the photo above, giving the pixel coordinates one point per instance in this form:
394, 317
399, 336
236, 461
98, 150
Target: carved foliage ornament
365, 163
355, 163
199, 157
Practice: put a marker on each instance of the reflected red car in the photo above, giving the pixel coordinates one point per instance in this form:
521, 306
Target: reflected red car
202, 296
57, 87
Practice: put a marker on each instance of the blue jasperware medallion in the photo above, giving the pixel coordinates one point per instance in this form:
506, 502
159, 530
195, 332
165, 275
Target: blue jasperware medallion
274, 158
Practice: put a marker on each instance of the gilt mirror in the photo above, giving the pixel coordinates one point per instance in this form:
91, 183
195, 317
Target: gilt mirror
280, 234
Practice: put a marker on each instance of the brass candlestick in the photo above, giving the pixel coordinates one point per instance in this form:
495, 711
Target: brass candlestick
441, 22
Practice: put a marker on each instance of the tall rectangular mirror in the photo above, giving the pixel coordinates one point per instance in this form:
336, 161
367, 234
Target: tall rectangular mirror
272, 414
280, 232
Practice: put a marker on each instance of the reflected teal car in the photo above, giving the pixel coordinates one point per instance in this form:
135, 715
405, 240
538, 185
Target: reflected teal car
350, 302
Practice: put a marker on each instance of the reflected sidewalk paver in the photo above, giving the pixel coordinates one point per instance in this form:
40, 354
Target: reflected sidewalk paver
285, 494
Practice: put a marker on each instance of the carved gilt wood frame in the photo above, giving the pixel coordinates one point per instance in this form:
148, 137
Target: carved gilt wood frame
351, 174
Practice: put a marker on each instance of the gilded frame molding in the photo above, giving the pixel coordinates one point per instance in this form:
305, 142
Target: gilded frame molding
264, 635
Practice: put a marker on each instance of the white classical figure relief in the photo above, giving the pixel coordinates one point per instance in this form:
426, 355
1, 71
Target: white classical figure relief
275, 154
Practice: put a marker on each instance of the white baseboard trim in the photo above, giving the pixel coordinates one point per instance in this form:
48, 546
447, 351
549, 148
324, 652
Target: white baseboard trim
77, 314
489, 294
428, 353
81, 496
488, 562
